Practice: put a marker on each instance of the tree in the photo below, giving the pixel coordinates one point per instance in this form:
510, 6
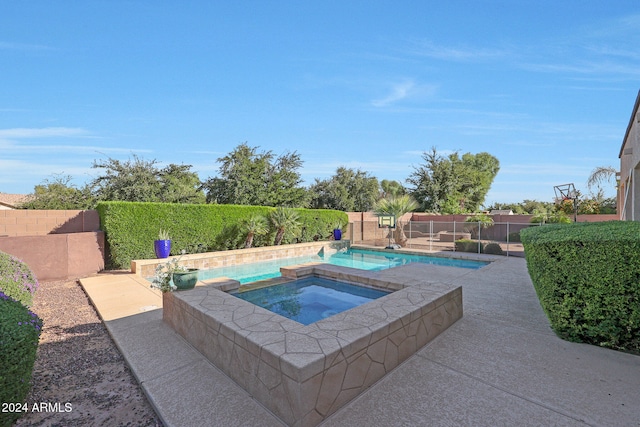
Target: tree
285, 221
601, 174
397, 206
131, 180
249, 177
348, 190
178, 184
60, 194
140, 180
256, 225
392, 188
453, 184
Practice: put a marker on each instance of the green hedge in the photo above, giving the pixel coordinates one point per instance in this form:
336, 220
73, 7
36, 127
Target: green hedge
466, 245
19, 334
493, 248
587, 277
16, 279
131, 228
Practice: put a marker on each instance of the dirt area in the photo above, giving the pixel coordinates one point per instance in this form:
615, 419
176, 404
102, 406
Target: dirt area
80, 378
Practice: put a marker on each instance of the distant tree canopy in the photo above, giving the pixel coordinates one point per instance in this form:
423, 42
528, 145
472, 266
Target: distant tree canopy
249, 177
347, 190
453, 184
391, 189
139, 180
594, 204
59, 193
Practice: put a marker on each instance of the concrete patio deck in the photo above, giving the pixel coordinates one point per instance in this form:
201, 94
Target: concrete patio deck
499, 365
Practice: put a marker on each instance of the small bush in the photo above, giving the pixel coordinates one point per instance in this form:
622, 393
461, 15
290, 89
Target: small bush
587, 277
493, 249
19, 334
16, 279
514, 237
466, 245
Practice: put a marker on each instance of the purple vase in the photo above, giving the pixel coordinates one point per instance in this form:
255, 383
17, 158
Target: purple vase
162, 248
337, 234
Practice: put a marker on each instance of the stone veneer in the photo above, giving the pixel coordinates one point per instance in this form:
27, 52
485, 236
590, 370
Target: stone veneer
208, 260
302, 373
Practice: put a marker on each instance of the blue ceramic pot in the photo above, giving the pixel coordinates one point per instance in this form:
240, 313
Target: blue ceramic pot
337, 234
162, 248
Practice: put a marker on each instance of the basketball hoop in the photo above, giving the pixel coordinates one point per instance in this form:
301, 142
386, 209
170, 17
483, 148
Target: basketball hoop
567, 192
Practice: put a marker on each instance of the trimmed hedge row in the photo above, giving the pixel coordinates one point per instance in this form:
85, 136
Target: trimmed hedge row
587, 277
466, 245
131, 227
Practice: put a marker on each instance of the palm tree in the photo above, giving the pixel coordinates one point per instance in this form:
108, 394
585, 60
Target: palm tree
396, 206
256, 225
285, 220
601, 174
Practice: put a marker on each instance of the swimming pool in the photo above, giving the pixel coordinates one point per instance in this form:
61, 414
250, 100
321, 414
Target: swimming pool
310, 299
356, 258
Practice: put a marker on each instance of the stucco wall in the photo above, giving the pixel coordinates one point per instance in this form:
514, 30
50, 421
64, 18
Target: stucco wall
58, 256
368, 231
629, 186
27, 222
55, 244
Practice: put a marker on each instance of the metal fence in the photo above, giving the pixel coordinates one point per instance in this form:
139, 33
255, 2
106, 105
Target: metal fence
443, 235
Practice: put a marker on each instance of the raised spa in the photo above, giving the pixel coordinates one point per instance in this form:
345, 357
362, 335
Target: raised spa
304, 373
310, 299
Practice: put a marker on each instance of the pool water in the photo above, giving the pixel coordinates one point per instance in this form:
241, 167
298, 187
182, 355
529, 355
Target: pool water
356, 258
310, 299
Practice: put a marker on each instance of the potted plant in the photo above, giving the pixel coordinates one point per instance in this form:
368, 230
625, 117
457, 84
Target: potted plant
185, 278
171, 276
162, 246
337, 232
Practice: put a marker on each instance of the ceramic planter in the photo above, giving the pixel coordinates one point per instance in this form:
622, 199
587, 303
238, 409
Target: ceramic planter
162, 248
337, 234
185, 279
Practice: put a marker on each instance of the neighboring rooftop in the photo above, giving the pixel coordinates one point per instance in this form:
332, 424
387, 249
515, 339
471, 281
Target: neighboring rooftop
12, 201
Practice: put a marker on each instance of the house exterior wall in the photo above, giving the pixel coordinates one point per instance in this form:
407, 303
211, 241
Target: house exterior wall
629, 187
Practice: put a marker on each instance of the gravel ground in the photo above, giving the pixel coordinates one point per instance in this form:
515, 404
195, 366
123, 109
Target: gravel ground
79, 373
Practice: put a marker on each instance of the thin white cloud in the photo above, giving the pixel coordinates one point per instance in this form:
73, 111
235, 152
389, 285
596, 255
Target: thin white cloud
22, 46
546, 169
427, 48
20, 133
584, 68
403, 90
19, 141
398, 92
76, 149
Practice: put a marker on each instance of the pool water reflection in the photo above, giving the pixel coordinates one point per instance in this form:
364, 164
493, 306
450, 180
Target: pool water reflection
310, 299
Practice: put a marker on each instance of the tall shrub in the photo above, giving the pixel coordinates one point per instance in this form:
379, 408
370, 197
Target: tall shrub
587, 277
19, 334
16, 279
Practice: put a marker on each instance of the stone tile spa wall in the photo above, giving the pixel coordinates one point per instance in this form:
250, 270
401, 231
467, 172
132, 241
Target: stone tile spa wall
301, 373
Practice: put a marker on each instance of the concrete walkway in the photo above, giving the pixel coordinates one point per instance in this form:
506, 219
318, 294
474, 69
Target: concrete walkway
500, 365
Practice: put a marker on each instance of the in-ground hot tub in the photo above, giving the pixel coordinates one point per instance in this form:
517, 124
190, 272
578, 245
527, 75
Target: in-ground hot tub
304, 373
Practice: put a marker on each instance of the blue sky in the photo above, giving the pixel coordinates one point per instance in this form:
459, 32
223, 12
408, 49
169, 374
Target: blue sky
547, 87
